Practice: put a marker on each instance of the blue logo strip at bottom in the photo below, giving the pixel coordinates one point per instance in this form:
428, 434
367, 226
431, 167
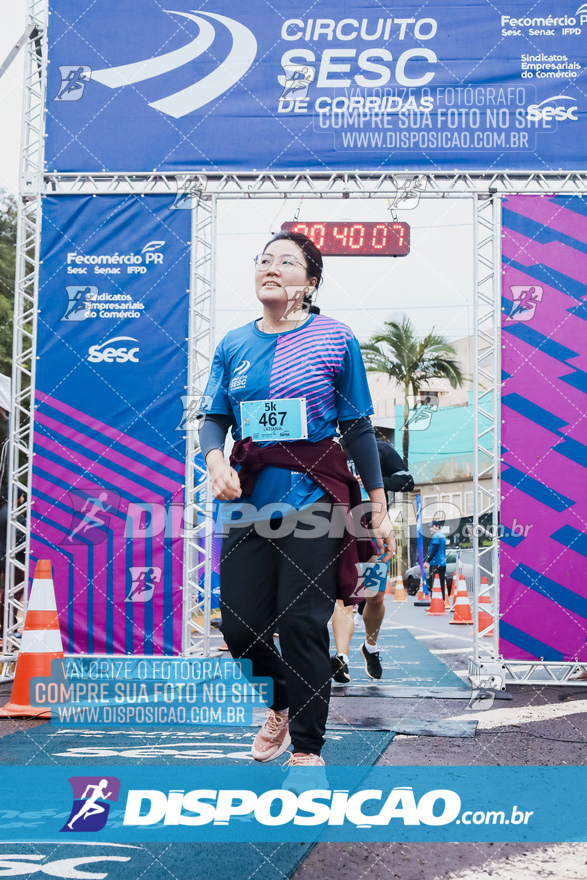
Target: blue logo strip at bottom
276, 803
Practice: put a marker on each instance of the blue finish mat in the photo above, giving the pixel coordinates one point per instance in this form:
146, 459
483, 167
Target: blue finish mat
406, 662
174, 746
210, 746
177, 861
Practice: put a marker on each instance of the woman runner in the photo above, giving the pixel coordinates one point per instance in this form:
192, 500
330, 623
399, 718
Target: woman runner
285, 554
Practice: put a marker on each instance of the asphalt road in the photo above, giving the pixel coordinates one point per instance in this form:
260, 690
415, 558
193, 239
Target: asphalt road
544, 726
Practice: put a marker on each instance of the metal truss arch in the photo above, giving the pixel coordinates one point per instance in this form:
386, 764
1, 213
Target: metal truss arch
318, 184
21, 419
200, 192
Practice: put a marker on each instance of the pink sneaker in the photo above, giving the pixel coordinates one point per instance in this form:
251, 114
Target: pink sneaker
273, 738
301, 759
305, 772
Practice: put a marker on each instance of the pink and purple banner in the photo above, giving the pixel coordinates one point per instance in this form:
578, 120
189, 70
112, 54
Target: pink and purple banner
543, 591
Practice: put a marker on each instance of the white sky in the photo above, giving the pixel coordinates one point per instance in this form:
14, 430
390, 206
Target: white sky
433, 284
13, 24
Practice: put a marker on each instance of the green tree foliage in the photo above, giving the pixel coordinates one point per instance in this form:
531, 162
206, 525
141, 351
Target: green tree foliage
7, 271
412, 362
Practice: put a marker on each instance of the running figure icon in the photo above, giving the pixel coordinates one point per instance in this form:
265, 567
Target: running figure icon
74, 79
91, 808
297, 81
91, 520
525, 300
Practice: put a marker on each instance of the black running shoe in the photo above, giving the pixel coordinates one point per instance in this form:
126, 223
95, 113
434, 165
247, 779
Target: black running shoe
340, 669
373, 666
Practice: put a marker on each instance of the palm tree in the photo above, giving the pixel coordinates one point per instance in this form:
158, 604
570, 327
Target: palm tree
412, 362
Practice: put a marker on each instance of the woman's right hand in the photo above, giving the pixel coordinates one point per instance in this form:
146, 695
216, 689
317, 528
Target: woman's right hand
225, 481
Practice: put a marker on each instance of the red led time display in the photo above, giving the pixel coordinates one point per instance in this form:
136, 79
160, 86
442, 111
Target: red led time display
344, 239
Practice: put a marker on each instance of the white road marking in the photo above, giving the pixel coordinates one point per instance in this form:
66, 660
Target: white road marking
504, 716
564, 861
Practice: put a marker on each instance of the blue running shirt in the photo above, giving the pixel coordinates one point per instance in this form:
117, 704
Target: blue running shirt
437, 550
321, 361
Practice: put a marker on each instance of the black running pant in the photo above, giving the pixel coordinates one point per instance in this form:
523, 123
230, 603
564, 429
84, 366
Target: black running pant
288, 582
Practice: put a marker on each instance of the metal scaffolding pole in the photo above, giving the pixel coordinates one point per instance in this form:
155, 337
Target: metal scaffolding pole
485, 668
24, 339
199, 532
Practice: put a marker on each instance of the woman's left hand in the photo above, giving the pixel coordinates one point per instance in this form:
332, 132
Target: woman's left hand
381, 526
384, 535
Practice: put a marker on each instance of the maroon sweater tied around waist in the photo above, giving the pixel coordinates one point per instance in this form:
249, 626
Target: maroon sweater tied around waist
326, 464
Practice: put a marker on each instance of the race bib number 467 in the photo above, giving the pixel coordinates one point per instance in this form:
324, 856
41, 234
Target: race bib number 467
272, 420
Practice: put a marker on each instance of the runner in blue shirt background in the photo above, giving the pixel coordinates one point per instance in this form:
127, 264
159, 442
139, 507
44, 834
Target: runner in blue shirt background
437, 556
282, 551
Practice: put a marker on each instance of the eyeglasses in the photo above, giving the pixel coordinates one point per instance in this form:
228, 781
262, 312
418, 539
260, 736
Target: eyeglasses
286, 262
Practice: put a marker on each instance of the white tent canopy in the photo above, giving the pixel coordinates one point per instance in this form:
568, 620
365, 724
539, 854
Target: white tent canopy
5, 382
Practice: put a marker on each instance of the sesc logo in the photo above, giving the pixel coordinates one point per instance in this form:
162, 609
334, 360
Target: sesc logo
547, 112
23, 865
104, 353
240, 377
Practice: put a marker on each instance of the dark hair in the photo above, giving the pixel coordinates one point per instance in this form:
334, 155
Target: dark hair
437, 523
310, 252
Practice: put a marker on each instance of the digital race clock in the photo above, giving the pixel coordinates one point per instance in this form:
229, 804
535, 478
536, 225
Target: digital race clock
344, 239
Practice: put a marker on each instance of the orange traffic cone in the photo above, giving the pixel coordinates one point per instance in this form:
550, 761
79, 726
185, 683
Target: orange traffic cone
462, 608
400, 593
453, 593
422, 599
41, 643
457, 585
389, 587
437, 603
446, 597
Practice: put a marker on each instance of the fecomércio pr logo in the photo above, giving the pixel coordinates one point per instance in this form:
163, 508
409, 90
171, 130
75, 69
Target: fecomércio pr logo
91, 802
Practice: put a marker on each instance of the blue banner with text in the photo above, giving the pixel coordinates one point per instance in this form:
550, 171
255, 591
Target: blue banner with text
224, 804
248, 87
109, 462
